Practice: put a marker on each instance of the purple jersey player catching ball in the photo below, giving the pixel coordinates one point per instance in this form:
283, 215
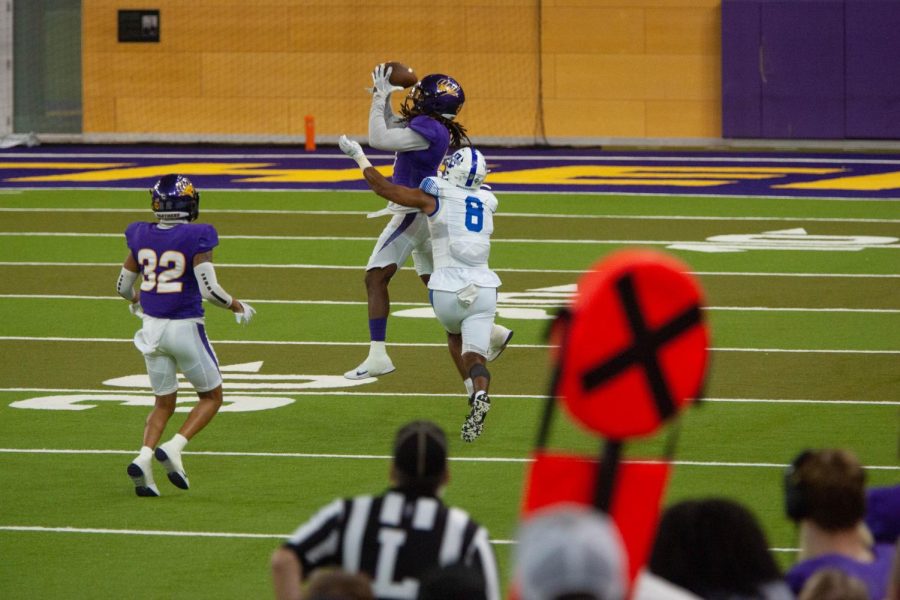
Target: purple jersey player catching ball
421, 135
173, 261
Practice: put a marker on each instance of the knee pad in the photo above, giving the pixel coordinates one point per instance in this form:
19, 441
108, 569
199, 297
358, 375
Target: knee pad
479, 370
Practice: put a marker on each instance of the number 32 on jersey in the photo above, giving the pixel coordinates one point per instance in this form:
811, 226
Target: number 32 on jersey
165, 282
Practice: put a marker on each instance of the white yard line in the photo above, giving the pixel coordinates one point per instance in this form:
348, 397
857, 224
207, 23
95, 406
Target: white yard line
225, 211
200, 534
577, 192
499, 269
421, 304
475, 459
428, 395
314, 238
599, 158
23, 338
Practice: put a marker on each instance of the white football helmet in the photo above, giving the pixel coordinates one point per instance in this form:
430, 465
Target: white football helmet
465, 168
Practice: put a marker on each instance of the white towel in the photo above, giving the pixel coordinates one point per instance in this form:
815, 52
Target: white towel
148, 337
467, 295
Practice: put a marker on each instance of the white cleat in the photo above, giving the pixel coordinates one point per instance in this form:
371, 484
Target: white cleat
171, 460
500, 337
371, 367
142, 476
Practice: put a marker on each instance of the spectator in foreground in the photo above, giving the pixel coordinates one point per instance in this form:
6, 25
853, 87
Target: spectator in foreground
825, 495
395, 537
570, 552
716, 549
334, 584
833, 584
893, 592
456, 582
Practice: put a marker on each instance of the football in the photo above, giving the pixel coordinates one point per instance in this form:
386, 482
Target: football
401, 74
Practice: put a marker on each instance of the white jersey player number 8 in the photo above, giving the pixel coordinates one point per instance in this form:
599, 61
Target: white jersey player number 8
474, 214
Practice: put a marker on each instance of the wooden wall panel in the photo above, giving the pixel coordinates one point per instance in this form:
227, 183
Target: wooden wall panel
570, 118
593, 30
609, 68
682, 119
683, 30
225, 116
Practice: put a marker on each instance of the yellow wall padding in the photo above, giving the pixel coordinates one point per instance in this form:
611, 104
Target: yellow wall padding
607, 68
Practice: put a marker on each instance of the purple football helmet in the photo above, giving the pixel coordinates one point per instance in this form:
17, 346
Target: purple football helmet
436, 94
174, 197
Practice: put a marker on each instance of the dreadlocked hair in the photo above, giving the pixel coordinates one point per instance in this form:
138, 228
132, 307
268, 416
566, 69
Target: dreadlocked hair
458, 135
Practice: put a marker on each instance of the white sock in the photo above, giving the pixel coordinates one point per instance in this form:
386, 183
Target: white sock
377, 349
178, 442
470, 387
146, 453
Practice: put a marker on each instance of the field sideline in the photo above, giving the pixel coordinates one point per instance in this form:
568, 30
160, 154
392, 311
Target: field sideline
803, 304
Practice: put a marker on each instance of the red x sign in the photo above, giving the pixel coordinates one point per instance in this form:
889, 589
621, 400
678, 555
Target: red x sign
635, 351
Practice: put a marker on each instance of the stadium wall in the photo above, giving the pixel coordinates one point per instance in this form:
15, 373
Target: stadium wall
533, 71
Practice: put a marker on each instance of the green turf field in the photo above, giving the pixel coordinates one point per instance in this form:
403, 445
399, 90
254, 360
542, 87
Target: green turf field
806, 353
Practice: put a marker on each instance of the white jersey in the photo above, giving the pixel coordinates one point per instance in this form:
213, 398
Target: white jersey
461, 227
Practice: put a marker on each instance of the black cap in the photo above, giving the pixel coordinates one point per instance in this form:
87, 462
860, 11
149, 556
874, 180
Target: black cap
420, 450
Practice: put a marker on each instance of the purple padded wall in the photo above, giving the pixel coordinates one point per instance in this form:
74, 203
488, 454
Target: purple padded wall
873, 68
803, 69
741, 86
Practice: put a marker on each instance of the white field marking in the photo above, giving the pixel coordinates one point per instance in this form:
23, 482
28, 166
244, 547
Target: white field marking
213, 534
476, 459
258, 301
344, 393
512, 157
294, 190
425, 304
315, 238
498, 269
24, 338
420, 304
505, 214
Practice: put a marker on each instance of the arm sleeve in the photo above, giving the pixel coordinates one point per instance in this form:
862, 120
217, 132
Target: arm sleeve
393, 138
390, 119
125, 284
316, 542
430, 187
209, 286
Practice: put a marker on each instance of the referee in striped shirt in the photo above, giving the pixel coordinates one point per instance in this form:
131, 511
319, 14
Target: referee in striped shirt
394, 538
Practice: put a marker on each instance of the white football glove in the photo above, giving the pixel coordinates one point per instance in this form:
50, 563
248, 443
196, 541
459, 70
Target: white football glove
381, 80
135, 309
350, 148
242, 318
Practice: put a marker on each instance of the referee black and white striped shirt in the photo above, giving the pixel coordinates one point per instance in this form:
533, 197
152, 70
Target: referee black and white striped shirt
394, 538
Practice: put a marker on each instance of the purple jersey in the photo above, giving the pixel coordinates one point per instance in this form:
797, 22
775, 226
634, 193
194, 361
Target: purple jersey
874, 574
166, 258
883, 513
413, 166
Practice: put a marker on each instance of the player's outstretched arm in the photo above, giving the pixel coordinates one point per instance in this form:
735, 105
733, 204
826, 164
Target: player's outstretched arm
412, 197
212, 291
